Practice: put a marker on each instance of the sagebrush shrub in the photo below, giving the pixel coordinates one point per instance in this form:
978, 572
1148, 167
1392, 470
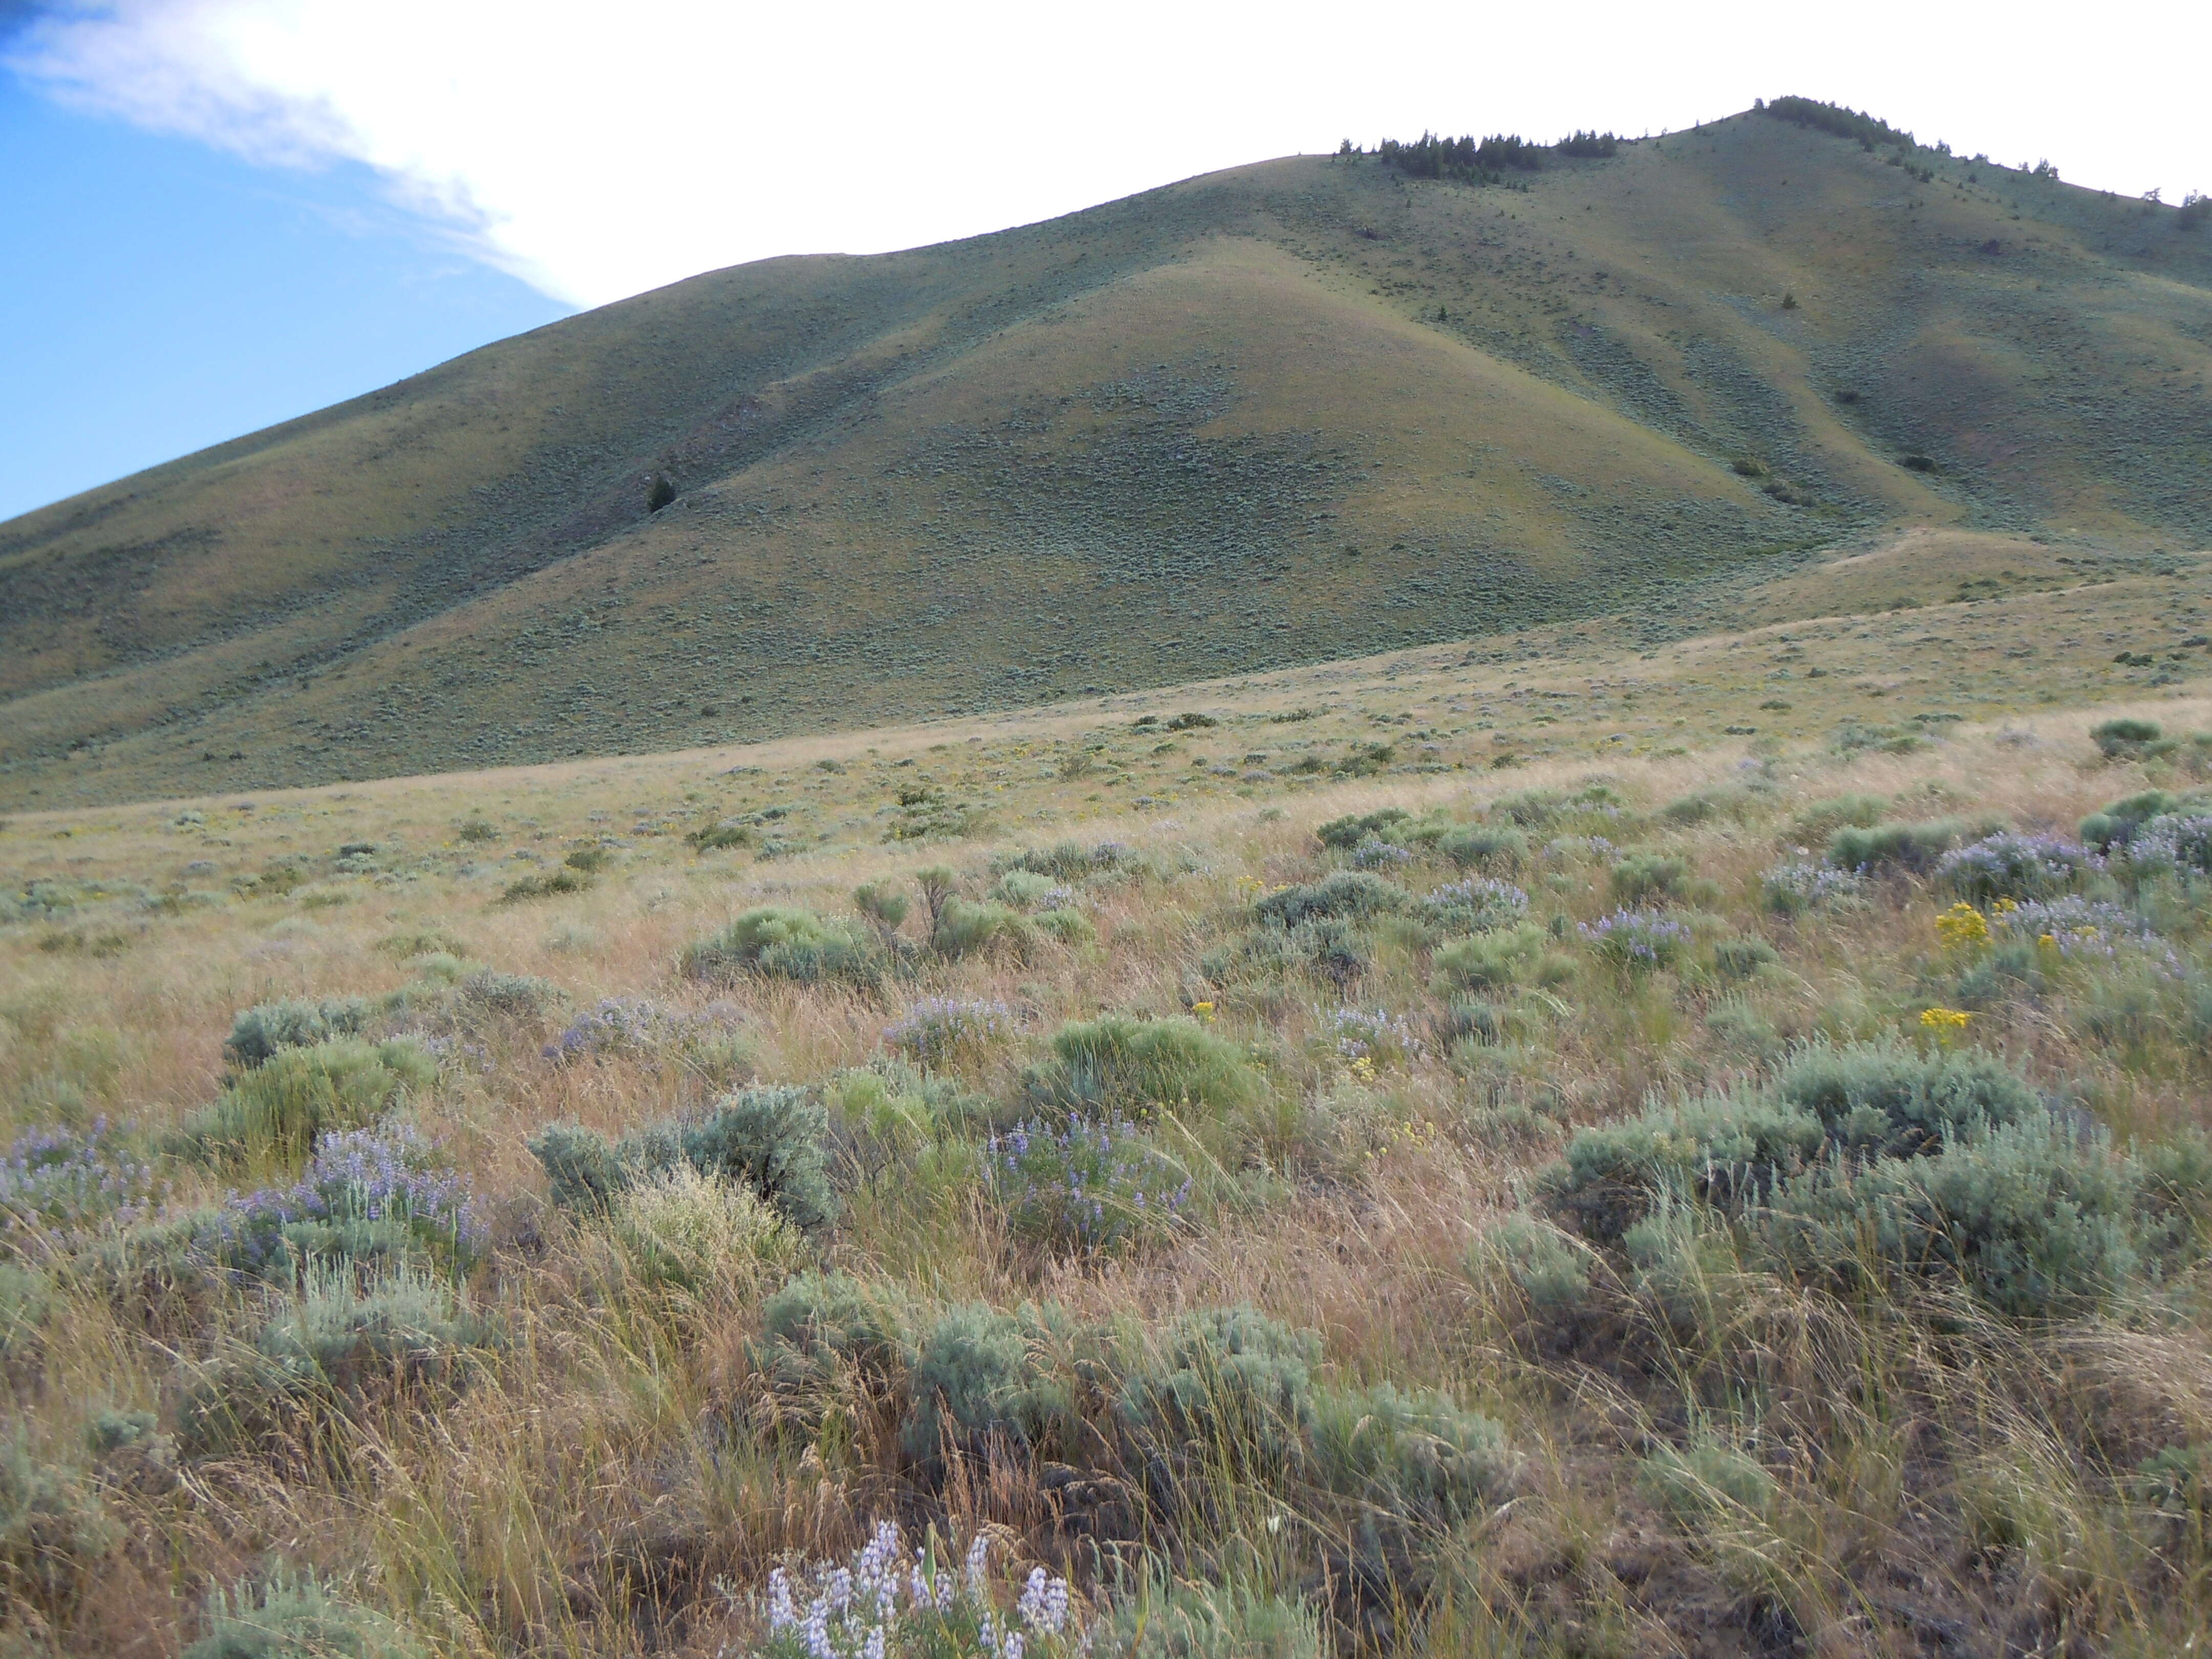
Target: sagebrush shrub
1723, 1150
772, 1139
1230, 1387
1887, 1097
782, 942
2117, 825
1491, 961
1414, 1455
1484, 846
822, 1326
1643, 876
2038, 1218
981, 1375
2126, 738
334, 1341
55, 1531
1347, 832
965, 927
298, 1023
1913, 848
2009, 866
1704, 1481
293, 1616
1480, 904
1346, 895
277, 1109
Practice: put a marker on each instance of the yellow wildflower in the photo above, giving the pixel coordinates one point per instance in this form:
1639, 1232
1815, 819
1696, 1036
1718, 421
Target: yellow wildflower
1203, 1010
1944, 1024
1962, 927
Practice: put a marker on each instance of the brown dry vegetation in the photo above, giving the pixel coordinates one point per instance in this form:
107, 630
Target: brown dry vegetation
1929, 1472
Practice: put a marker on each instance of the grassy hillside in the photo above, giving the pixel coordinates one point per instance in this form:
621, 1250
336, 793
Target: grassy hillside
1282, 413
1670, 1146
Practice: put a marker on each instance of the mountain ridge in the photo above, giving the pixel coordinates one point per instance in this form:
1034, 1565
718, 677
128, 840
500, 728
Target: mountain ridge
1301, 409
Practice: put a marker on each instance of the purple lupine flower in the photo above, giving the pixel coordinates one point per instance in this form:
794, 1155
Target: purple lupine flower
1638, 939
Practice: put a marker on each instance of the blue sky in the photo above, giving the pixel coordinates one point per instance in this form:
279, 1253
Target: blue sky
158, 295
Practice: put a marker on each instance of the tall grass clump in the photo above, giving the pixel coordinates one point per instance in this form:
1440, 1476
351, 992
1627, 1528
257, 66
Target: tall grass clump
780, 943
276, 1111
1138, 1067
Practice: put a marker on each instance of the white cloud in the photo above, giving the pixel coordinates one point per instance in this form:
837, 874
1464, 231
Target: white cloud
600, 151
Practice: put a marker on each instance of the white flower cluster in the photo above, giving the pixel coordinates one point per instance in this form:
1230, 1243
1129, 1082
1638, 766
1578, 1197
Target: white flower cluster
889, 1603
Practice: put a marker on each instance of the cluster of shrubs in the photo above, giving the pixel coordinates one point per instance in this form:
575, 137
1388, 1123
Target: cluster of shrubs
772, 1142
1223, 1394
1032, 898
1877, 1164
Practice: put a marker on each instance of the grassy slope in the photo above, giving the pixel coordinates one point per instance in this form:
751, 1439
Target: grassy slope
1942, 1480
1122, 448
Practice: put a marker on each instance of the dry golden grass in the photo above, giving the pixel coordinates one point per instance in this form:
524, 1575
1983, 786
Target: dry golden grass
1935, 1468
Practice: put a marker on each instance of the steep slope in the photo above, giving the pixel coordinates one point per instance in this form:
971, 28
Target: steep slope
1293, 411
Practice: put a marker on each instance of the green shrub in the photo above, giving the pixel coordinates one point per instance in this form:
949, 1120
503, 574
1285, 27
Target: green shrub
2177, 1482
549, 883
1024, 890
295, 1617
1684, 1263
1346, 833
1480, 904
1642, 875
821, 1327
1490, 961
2116, 825
1415, 1456
695, 1231
980, 1374
278, 1108
721, 837
1485, 846
1171, 1617
55, 1531
1824, 818
335, 1341
1888, 1097
2125, 739
510, 996
772, 1139
778, 943
1741, 956
1136, 1065
1344, 894
579, 1165
1722, 1150
882, 904
1703, 806
1550, 1268
1068, 927
259, 1031
965, 927
1909, 846
2037, 1219
1705, 1481
1228, 1387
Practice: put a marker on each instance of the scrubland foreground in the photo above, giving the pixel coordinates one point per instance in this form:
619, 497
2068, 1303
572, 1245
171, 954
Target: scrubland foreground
912, 1195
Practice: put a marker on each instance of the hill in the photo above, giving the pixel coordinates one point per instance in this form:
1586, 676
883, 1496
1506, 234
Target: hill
1282, 413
